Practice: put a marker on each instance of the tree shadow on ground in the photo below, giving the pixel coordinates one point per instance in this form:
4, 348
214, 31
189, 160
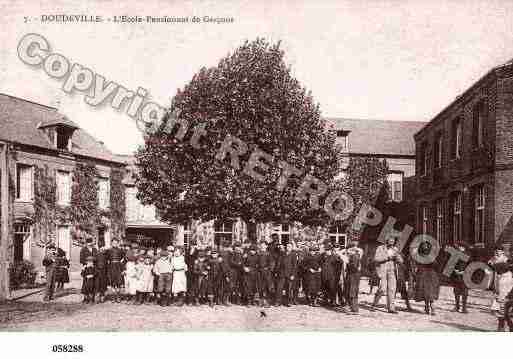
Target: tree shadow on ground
26, 312
461, 326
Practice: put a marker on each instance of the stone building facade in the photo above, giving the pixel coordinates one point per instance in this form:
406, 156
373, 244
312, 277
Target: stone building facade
44, 149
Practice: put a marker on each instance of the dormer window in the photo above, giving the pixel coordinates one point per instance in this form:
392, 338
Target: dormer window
342, 140
59, 132
63, 138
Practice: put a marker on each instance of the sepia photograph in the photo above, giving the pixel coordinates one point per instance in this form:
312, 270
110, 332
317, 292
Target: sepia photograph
256, 166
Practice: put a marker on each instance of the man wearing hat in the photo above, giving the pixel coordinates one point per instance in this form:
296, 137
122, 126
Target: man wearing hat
200, 273
330, 268
353, 272
287, 272
502, 282
386, 258
460, 290
226, 259
236, 264
49, 262
101, 275
87, 251
191, 253
313, 272
116, 258
265, 274
164, 271
217, 275
250, 275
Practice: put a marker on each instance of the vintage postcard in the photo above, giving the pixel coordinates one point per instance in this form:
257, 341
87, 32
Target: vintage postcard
245, 166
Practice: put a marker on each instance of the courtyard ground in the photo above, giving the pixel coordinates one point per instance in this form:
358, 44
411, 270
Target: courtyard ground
67, 313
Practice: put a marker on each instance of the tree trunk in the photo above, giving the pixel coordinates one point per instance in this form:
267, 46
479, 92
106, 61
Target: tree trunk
252, 231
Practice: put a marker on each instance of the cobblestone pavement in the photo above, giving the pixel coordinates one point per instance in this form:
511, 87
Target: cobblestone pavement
67, 313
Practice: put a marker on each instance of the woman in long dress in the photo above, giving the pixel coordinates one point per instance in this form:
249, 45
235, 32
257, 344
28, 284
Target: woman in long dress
427, 281
179, 267
503, 283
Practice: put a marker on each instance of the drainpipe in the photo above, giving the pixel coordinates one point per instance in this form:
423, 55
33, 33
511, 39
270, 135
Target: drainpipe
4, 222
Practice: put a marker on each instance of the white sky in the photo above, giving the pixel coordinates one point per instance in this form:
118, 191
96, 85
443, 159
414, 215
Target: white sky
393, 60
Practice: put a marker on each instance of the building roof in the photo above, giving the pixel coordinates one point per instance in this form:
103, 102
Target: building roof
60, 120
505, 69
380, 137
21, 121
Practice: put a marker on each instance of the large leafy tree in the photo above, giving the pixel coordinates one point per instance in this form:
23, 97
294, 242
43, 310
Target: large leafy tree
252, 95
366, 181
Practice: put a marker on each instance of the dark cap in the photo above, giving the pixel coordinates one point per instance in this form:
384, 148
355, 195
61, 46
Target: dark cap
164, 253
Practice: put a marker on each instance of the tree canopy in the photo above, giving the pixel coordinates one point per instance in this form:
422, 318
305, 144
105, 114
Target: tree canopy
252, 95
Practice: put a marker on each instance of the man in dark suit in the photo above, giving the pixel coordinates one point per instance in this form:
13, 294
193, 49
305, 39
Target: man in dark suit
49, 263
287, 273
87, 251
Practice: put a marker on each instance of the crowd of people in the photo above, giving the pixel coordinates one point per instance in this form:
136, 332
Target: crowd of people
266, 274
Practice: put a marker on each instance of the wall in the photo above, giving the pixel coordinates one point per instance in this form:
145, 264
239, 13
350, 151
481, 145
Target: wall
26, 209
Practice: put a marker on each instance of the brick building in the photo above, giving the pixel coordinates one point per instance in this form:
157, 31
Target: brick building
464, 181
41, 151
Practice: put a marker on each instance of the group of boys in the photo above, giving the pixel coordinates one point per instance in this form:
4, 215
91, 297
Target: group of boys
273, 273
242, 273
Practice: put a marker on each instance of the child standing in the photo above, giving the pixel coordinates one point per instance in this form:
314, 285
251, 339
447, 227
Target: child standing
179, 267
61, 270
88, 274
130, 279
144, 270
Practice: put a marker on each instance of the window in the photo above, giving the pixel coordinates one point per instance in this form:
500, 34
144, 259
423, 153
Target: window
24, 182
338, 234
395, 183
343, 140
479, 216
64, 239
131, 203
104, 193
423, 159
479, 119
223, 231
22, 235
63, 188
283, 231
456, 218
425, 219
440, 221
438, 150
457, 138
62, 138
